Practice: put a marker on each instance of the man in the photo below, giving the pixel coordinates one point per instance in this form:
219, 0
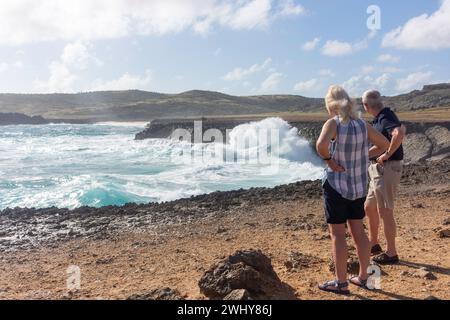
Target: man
385, 172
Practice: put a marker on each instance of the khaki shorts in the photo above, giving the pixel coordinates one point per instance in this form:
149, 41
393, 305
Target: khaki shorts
384, 182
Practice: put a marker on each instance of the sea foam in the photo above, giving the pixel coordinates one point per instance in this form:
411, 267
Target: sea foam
69, 165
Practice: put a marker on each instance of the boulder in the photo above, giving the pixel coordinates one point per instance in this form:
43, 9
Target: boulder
297, 261
250, 270
440, 139
417, 147
158, 294
424, 273
431, 298
240, 294
444, 233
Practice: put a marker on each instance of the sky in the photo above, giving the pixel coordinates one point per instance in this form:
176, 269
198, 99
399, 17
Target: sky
240, 47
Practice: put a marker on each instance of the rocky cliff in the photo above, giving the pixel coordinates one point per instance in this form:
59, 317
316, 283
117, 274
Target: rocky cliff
424, 141
19, 118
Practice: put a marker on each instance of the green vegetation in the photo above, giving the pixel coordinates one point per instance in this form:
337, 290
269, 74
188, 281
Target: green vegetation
132, 105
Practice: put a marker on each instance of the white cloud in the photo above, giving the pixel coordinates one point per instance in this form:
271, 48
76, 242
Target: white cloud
75, 54
423, 32
327, 73
240, 73
334, 48
61, 79
413, 81
75, 57
388, 58
357, 84
18, 64
271, 82
311, 45
125, 82
251, 15
367, 69
4, 66
382, 81
385, 81
354, 85
28, 21
290, 8
306, 86
391, 70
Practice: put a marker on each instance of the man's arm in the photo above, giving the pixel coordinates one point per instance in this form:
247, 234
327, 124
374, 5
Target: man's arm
398, 134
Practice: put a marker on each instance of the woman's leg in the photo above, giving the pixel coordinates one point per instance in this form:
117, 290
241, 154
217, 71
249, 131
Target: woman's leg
340, 253
362, 244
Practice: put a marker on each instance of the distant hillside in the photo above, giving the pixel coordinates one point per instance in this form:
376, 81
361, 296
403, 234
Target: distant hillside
141, 105
431, 96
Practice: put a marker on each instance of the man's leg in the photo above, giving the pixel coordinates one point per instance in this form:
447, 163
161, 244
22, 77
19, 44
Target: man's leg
373, 220
390, 230
362, 244
391, 181
340, 253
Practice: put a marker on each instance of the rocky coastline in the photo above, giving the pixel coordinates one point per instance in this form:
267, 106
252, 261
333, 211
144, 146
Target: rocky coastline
424, 141
12, 119
7, 119
28, 228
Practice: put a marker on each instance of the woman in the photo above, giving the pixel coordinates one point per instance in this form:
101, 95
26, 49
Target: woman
344, 146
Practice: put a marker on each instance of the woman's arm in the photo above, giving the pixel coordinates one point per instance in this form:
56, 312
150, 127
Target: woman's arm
378, 140
323, 143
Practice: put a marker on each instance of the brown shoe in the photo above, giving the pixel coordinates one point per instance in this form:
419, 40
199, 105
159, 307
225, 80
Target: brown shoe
385, 259
376, 249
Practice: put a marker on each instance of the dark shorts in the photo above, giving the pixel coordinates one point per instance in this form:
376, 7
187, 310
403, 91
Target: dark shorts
338, 209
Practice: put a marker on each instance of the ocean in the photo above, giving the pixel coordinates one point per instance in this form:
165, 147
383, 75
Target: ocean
68, 165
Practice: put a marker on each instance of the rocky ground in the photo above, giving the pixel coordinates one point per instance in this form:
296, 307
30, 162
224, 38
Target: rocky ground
163, 250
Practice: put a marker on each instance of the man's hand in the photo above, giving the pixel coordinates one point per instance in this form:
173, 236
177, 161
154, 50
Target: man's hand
335, 166
383, 158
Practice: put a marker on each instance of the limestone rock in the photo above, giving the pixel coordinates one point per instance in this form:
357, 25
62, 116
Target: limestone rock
158, 294
247, 269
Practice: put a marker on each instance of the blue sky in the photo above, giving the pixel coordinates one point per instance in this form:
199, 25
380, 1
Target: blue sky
242, 47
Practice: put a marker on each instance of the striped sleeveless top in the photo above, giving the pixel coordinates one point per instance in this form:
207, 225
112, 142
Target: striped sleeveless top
350, 149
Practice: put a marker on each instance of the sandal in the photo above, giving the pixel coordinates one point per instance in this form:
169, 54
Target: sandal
385, 259
335, 287
376, 249
359, 282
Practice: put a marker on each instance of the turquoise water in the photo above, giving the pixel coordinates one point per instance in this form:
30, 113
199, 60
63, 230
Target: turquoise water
66, 165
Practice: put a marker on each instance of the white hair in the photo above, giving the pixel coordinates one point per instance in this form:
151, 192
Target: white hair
372, 98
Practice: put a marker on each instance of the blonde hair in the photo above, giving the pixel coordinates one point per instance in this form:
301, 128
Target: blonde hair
338, 101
